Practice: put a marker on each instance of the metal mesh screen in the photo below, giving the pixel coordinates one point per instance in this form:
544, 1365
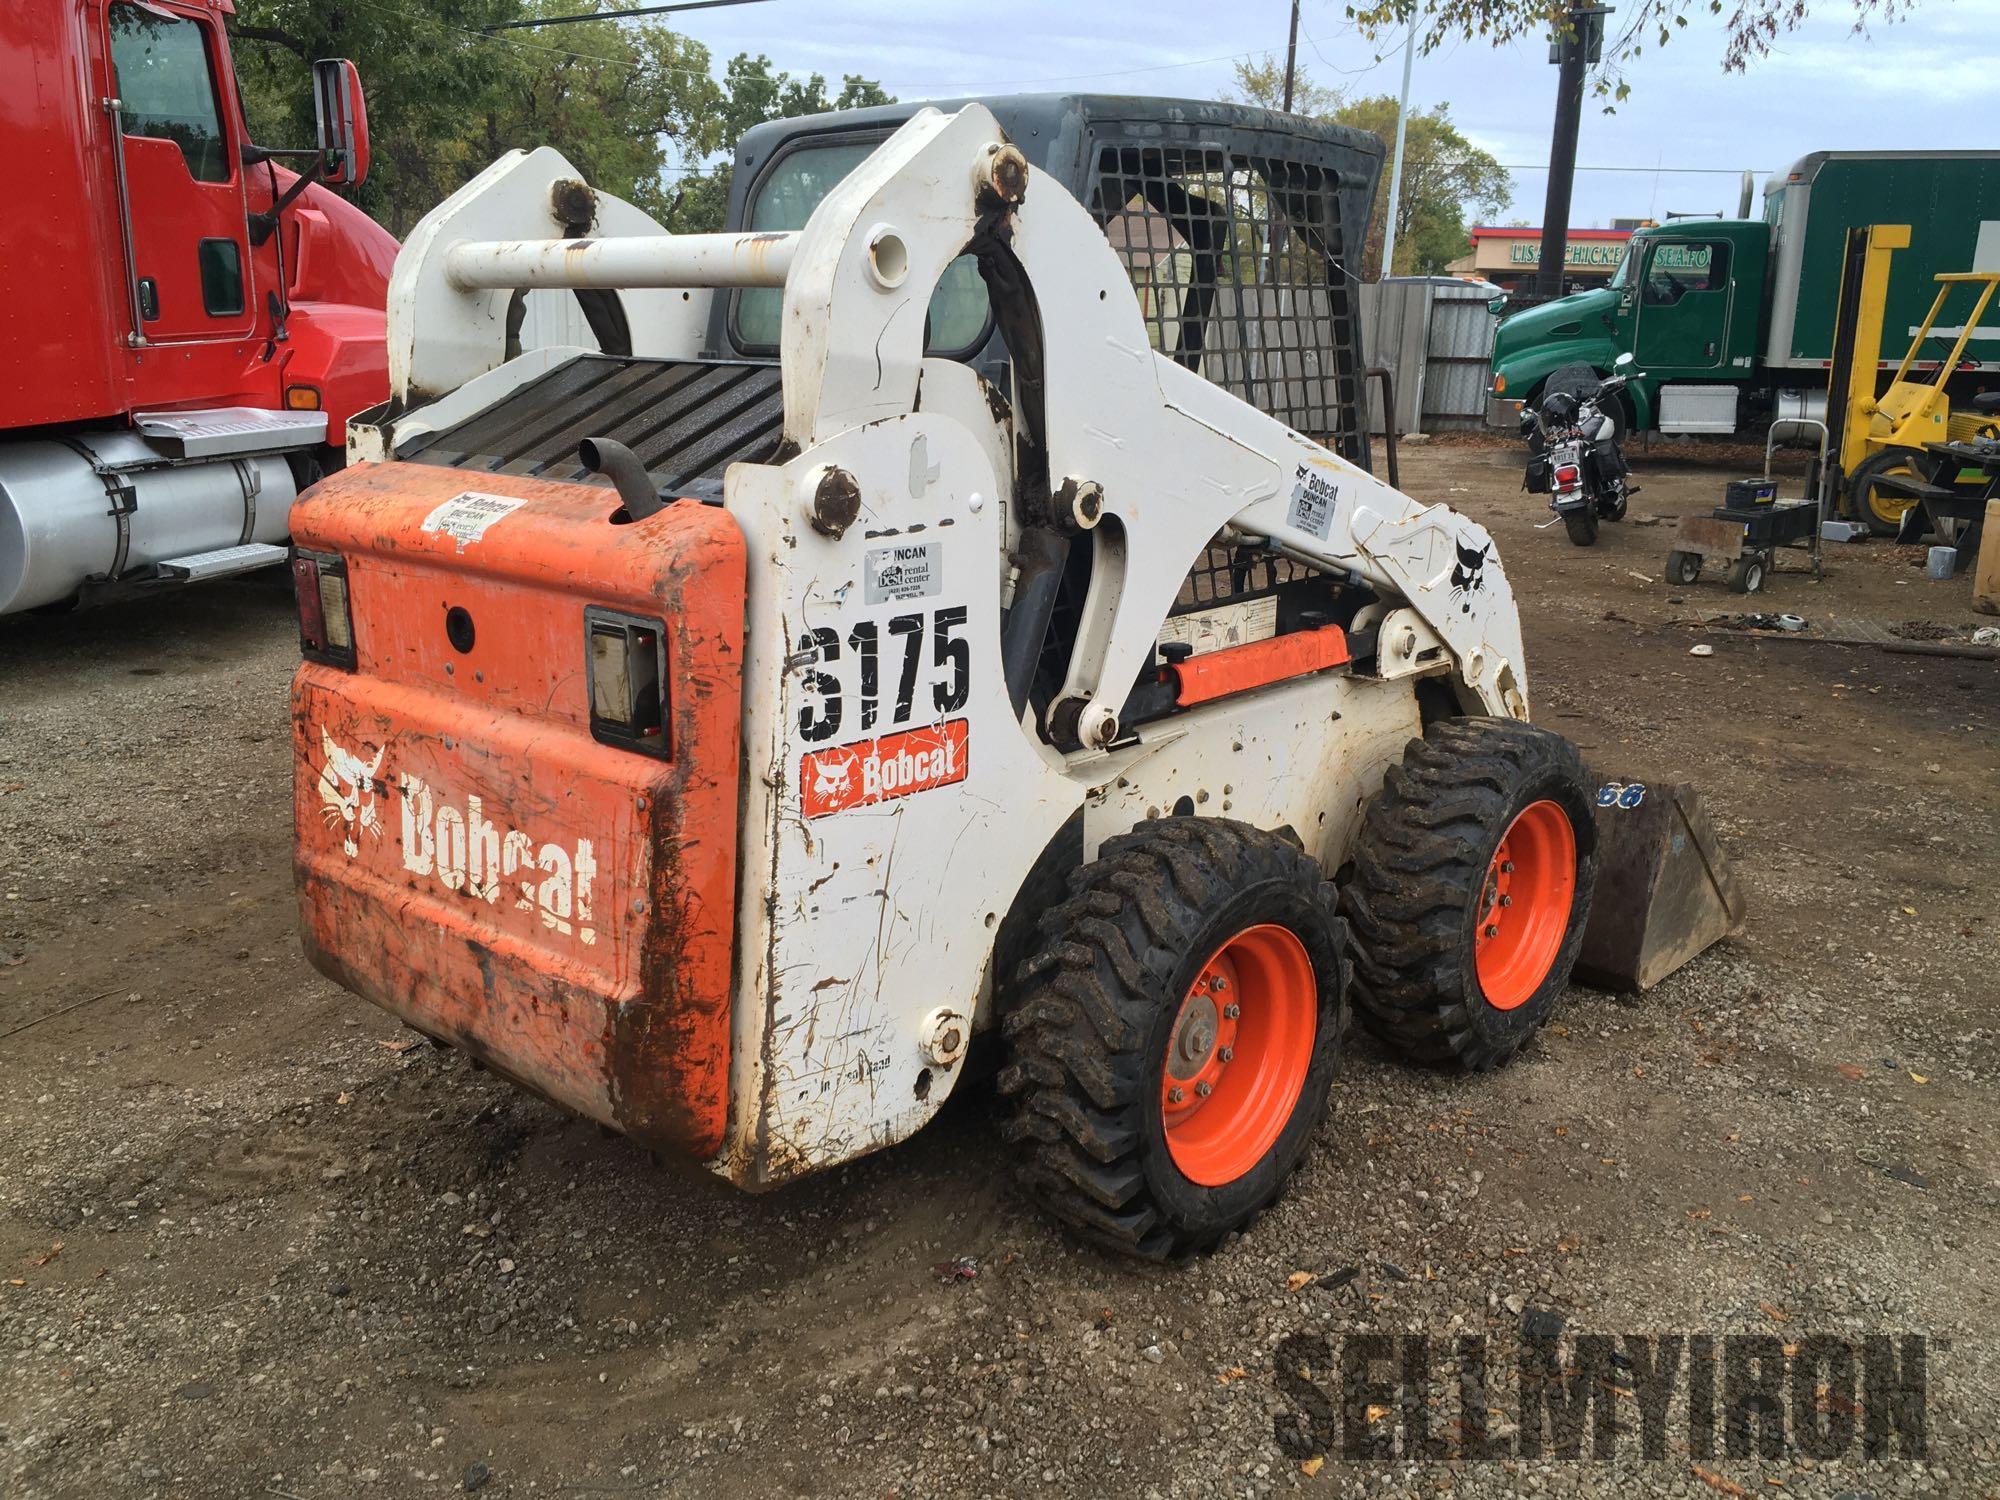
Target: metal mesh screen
1240, 266
1229, 574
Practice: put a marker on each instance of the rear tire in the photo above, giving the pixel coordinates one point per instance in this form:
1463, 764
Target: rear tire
1581, 526
1137, 1129
1683, 568
1470, 889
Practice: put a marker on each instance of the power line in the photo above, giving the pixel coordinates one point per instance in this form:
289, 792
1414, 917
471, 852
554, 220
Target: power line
1543, 166
614, 15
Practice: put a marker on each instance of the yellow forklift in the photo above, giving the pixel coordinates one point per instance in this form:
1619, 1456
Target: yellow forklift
1913, 463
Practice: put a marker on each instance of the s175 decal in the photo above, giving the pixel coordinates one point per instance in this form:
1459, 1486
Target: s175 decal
830, 660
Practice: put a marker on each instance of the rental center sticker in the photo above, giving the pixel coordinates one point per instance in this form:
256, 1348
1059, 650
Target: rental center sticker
906, 572
467, 515
880, 770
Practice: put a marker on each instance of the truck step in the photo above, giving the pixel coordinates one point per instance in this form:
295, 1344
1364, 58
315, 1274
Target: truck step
222, 431
223, 561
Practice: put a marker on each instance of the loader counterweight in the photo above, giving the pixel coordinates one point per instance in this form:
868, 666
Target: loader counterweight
472, 854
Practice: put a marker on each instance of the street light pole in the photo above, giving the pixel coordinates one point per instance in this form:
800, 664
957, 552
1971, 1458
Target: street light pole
1396, 172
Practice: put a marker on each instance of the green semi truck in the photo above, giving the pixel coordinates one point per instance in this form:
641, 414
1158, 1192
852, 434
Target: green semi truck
1731, 321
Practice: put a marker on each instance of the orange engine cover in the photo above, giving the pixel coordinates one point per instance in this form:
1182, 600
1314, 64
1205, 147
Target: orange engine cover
468, 854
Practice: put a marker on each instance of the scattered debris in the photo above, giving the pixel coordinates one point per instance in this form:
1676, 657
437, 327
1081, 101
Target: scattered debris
1298, 1281
1905, 1175
1393, 1271
400, 1045
476, 1475
1338, 1279
1717, 1482
1311, 1466
1541, 1323
1701, 650
965, 1268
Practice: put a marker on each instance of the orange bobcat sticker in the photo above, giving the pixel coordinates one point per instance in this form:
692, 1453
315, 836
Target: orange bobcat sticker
880, 770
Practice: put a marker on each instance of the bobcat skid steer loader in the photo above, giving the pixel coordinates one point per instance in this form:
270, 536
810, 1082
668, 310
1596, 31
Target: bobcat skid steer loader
734, 794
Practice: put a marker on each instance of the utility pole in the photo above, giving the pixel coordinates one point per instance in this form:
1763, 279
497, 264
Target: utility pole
1292, 57
1396, 172
1576, 46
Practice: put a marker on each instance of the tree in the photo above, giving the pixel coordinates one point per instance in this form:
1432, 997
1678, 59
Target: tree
1445, 176
632, 104
1752, 27
752, 95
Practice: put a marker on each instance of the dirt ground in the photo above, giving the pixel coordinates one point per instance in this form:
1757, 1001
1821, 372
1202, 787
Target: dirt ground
253, 1242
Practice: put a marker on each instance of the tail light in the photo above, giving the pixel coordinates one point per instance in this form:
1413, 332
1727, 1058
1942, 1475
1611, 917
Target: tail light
326, 620
1567, 475
626, 660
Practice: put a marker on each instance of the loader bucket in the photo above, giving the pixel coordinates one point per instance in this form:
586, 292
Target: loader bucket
1664, 890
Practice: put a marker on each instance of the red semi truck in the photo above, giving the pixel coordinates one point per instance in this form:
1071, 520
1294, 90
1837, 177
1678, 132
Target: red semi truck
187, 324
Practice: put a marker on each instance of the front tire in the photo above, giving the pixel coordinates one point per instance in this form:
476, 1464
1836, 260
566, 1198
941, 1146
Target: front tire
1861, 501
1173, 1042
1683, 568
1470, 890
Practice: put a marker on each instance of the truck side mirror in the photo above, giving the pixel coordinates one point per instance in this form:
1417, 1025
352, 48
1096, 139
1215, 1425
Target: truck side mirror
341, 118
1622, 360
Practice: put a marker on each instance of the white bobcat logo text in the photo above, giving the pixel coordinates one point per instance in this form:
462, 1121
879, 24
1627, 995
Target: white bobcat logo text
465, 851
347, 790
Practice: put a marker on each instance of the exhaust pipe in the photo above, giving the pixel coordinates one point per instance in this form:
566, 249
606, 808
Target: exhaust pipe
619, 464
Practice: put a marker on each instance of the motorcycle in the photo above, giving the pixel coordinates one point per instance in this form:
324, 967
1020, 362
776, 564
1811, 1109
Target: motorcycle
1573, 452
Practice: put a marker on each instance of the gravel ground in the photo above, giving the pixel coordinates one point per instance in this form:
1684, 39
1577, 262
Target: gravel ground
255, 1241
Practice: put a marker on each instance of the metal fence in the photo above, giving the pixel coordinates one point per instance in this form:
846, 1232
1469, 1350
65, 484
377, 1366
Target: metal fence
1435, 336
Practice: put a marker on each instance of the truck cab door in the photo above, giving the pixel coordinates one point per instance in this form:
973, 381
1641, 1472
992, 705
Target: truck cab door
185, 226
1683, 291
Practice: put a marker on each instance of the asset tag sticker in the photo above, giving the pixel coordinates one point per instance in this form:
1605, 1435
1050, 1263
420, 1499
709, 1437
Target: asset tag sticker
466, 516
1313, 497
914, 571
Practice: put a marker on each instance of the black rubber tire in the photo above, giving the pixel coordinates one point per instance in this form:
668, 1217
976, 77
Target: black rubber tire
1683, 568
1088, 1021
1581, 525
1854, 502
1747, 574
1418, 872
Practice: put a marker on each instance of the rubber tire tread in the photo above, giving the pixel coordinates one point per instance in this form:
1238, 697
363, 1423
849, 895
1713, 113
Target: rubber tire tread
1418, 870
1087, 1020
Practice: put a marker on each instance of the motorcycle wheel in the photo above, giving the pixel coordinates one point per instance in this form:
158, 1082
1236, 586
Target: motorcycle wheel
1581, 525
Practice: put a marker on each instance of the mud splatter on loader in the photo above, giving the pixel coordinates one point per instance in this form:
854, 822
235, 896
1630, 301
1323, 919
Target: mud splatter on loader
867, 721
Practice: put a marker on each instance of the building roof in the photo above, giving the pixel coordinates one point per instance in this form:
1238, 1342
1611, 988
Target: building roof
1523, 232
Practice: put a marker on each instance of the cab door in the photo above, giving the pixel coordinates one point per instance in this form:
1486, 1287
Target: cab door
183, 207
1684, 292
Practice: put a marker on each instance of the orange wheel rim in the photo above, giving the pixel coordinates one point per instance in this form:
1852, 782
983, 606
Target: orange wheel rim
1524, 904
1238, 1055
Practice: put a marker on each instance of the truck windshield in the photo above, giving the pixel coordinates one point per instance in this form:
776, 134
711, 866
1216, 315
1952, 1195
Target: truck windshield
1633, 249
785, 199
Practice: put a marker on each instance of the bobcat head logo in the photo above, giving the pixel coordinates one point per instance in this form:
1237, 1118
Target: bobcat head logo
1468, 574
347, 788
833, 779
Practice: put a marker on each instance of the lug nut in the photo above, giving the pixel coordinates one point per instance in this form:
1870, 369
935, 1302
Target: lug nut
1506, 900
1227, 1054
1493, 932
1506, 867
1231, 1011
1204, 1088
1176, 1094
1218, 984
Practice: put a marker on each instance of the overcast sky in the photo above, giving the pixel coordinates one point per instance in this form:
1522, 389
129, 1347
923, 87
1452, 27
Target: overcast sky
1924, 82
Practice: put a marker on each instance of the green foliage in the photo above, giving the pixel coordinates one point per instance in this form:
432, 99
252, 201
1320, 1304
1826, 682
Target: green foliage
752, 95
1752, 27
1445, 176
633, 104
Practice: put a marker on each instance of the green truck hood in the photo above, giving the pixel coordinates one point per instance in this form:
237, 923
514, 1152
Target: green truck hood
1536, 340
